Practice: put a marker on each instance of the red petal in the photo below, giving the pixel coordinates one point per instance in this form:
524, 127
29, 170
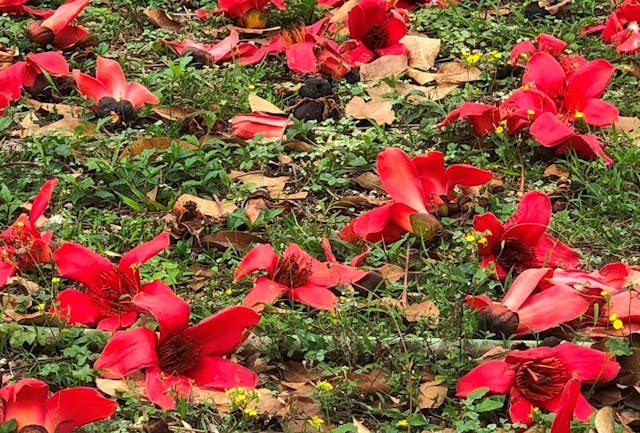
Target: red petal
247, 126
544, 71
550, 131
69, 36
301, 58
400, 178
64, 413
550, 44
589, 146
551, 252
478, 302
171, 312
131, 261
520, 408
139, 95
364, 15
65, 13
524, 48
91, 88
489, 225
395, 28
7, 270
260, 257
223, 332
53, 62
523, 286
109, 73
77, 307
495, 375
530, 219
430, 168
219, 373
600, 113
264, 291
11, 81
113, 323
41, 201
279, 4
314, 296
466, 175
589, 365
25, 402
568, 401
128, 351
80, 263
223, 49
164, 390
587, 82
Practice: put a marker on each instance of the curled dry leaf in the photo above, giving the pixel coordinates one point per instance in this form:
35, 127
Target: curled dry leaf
383, 67
369, 180
425, 310
422, 51
432, 394
67, 127
160, 143
371, 383
210, 208
453, 73
237, 240
627, 124
556, 170
161, 19
380, 112
256, 103
275, 185
174, 112
360, 428
605, 420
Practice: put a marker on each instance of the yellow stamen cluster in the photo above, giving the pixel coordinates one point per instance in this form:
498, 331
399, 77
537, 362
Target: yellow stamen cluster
531, 112
605, 294
19, 224
479, 237
579, 114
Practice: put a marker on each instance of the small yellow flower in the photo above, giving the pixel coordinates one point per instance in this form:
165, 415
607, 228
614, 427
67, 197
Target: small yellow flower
531, 111
324, 386
228, 292
19, 224
55, 280
535, 411
470, 238
483, 241
499, 130
402, 423
495, 54
617, 324
42, 306
503, 122
335, 321
316, 422
250, 412
472, 59
605, 294
613, 317
251, 86
579, 114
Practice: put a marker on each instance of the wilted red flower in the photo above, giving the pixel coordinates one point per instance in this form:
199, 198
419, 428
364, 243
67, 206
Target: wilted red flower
375, 30
181, 354
414, 4
56, 29
248, 13
11, 79
22, 245
295, 275
537, 378
51, 62
110, 91
522, 52
248, 125
417, 186
227, 49
621, 27
17, 7
28, 403
522, 242
110, 291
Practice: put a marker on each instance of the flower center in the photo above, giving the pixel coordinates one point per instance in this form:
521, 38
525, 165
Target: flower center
541, 380
178, 354
514, 253
113, 292
33, 428
119, 110
375, 38
633, 27
294, 34
291, 272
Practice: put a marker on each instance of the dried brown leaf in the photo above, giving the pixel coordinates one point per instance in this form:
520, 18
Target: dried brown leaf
256, 103
161, 19
210, 208
425, 310
556, 170
391, 272
237, 240
605, 420
369, 180
371, 383
432, 394
422, 51
360, 428
174, 112
383, 67
160, 143
380, 112
627, 124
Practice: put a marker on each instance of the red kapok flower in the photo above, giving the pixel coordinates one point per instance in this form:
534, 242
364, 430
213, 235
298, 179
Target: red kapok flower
248, 13
227, 49
525, 49
537, 377
17, 7
181, 354
296, 275
22, 245
621, 27
376, 30
56, 29
110, 91
28, 402
51, 62
566, 407
11, 79
522, 242
417, 186
248, 125
414, 4
110, 291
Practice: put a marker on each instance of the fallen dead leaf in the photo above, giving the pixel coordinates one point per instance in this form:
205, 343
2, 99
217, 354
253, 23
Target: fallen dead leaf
556, 170
340, 14
422, 51
369, 180
210, 208
174, 112
138, 146
161, 19
275, 185
249, 31
237, 240
627, 124
30, 286
425, 310
605, 420
391, 272
360, 428
383, 67
432, 394
495, 12
414, 94
256, 103
67, 126
297, 146
452, 73
380, 112
63, 110
371, 383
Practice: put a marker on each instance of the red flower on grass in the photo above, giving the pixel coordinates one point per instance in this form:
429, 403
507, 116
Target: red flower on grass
51, 62
22, 245
248, 13
17, 7
181, 354
11, 79
522, 242
414, 4
295, 275
56, 29
29, 403
621, 27
227, 49
522, 52
270, 126
537, 378
110, 91
375, 31
110, 291
417, 186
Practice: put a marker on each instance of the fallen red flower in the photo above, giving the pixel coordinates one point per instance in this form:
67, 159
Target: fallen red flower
522, 242
566, 407
417, 186
56, 29
522, 52
621, 27
110, 291
414, 4
22, 243
227, 49
17, 7
110, 91
247, 126
11, 79
51, 62
537, 378
375, 30
181, 354
295, 275
28, 403
248, 13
